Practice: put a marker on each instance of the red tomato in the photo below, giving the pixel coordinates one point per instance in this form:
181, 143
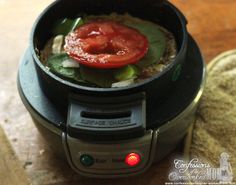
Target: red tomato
106, 44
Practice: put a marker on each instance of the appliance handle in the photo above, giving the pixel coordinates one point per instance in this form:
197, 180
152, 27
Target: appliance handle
106, 118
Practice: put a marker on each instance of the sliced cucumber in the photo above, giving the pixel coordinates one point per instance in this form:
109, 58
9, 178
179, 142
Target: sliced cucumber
123, 83
70, 63
127, 72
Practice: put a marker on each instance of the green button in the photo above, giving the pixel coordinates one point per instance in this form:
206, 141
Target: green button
86, 160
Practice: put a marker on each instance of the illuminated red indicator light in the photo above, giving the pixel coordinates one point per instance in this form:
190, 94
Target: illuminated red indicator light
132, 159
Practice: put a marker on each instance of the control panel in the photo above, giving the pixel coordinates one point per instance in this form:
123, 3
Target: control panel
116, 158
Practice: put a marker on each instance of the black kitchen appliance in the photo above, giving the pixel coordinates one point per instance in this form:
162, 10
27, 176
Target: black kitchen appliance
113, 132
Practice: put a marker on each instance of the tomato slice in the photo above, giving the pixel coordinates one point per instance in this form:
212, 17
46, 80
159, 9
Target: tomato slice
106, 44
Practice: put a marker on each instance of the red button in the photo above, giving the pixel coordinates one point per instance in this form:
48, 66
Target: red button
132, 159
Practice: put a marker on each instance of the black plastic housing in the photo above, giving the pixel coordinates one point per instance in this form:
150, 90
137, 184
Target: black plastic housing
155, 89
